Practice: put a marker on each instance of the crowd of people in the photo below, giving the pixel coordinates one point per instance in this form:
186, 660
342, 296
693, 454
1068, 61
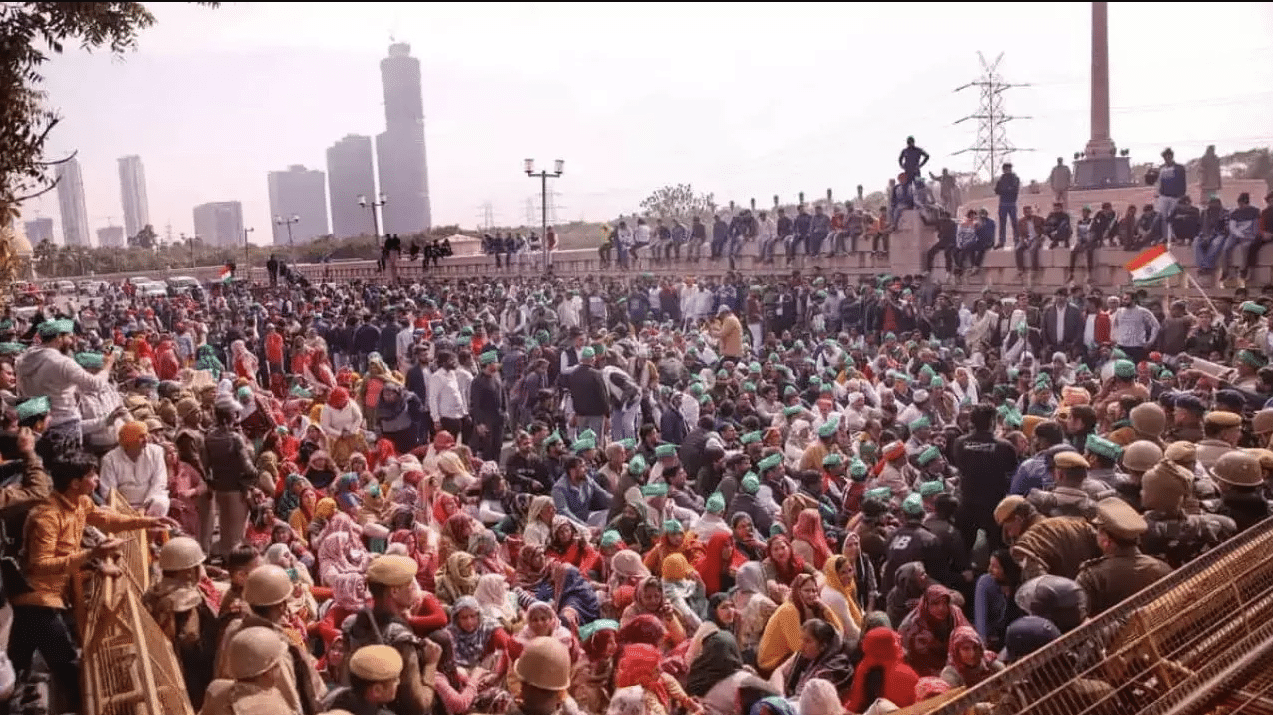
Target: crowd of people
772, 495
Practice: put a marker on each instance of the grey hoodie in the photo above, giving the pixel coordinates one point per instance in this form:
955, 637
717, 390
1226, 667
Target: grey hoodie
45, 371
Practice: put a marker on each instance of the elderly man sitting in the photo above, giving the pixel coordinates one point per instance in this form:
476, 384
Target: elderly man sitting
136, 468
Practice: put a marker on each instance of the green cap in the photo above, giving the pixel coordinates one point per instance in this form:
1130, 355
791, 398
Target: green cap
716, 503
587, 434
858, 470
929, 454
703, 400
1124, 369
696, 389
34, 407
587, 352
90, 360
751, 437
788, 391
936, 383
750, 483
749, 387
11, 348
769, 462
672, 526
913, 505
592, 628
654, 490
834, 459
753, 366
54, 328
637, 465
920, 423
628, 443
1102, 447
488, 357
1254, 308
829, 428
552, 439
665, 450
583, 445
610, 538
879, 494
776, 528
931, 488
792, 410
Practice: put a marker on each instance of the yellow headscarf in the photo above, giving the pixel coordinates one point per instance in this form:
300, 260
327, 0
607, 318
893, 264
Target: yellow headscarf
325, 508
676, 567
831, 570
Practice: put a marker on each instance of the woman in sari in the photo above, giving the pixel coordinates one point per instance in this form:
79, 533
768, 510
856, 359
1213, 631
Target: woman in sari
640, 664
781, 563
626, 573
720, 563
590, 678
783, 634
324, 512
301, 603
683, 588
477, 640
486, 552
303, 515
320, 471
457, 578
673, 541
569, 545
562, 585
927, 630
808, 541
968, 662
498, 604
539, 519
457, 531
460, 693
839, 592
745, 540
290, 498
648, 600
823, 654
342, 423
542, 622
881, 673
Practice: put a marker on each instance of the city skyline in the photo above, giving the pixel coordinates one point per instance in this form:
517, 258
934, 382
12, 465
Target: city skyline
132, 193
219, 223
72, 204
298, 205
351, 173
288, 84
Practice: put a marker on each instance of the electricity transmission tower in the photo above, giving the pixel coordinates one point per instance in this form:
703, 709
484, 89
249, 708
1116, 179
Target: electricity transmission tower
992, 147
486, 215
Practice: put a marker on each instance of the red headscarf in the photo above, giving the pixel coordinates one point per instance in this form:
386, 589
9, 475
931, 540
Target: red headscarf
714, 564
339, 398
882, 648
808, 529
640, 665
795, 565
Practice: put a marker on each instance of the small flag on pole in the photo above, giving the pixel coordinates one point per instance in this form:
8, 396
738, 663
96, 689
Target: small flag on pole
1153, 264
226, 275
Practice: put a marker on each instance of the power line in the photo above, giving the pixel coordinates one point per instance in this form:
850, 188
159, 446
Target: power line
486, 216
992, 147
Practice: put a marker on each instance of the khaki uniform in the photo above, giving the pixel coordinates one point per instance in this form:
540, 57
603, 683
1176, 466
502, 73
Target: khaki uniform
1062, 501
1185, 434
1181, 538
1210, 450
301, 686
415, 691
229, 697
190, 625
1109, 580
1057, 545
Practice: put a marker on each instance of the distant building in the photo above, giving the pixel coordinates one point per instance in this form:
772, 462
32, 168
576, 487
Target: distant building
219, 223
111, 237
39, 229
400, 151
350, 174
302, 193
132, 192
70, 199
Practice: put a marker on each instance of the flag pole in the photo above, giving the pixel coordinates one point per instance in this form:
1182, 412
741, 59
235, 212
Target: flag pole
1194, 282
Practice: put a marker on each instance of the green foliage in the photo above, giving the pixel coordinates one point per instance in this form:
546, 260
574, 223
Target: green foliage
145, 238
679, 201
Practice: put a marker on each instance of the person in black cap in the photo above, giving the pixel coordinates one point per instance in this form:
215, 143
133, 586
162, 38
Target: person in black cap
1186, 423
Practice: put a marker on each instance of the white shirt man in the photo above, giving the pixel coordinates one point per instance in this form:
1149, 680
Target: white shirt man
142, 482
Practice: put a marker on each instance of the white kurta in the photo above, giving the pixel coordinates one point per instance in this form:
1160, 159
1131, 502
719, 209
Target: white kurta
143, 483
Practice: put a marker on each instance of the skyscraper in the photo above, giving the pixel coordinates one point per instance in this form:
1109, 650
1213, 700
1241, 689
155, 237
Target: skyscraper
302, 193
132, 192
219, 223
39, 229
404, 175
70, 201
350, 174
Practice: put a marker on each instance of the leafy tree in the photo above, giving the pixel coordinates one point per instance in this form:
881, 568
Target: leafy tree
145, 238
680, 201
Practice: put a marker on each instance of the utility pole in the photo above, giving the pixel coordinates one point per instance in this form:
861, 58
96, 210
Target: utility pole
543, 176
288, 221
486, 215
373, 205
247, 260
530, 211
992, 147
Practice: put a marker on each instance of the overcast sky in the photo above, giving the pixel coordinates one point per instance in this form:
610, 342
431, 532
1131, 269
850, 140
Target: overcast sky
763, 99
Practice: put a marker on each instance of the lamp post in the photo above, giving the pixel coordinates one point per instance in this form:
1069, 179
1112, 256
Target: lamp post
291, 245
373, 205
247, 260
543, 176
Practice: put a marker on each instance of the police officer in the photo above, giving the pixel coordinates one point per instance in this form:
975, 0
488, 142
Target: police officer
1262, 428
1241, 480
1147, 421
256, 681
374, 674
544, 670
1222, 431
183, 614
1187, 419
1057, 545
1203, 489
1123, 570
1074, 494
913, 542
1138, 457
391, 581
266, 591
1174, 535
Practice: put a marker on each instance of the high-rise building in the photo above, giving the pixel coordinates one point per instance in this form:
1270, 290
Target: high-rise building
111, 237
132, 192
301, 193
219, 223
39, 229
350, 174
70, 200
400, 152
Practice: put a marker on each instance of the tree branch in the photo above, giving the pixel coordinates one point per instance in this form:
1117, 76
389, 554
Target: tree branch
39, 193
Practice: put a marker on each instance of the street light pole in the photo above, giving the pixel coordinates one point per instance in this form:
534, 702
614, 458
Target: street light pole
247, 260
373, 205
543, 177
291, 245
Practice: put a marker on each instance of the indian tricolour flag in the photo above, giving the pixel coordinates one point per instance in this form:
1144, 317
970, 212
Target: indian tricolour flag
225, 274
1153, 264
